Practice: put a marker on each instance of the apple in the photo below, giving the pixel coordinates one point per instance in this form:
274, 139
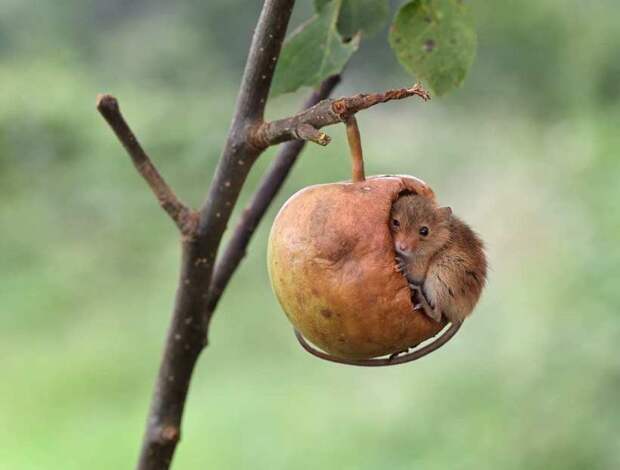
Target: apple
331, 265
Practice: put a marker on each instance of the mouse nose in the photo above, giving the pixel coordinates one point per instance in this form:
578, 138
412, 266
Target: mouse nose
402, 246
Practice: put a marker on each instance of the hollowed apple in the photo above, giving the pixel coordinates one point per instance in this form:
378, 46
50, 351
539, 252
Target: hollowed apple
331, 263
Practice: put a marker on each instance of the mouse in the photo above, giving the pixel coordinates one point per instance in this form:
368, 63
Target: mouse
441, 257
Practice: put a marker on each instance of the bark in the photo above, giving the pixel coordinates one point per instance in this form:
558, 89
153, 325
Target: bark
200, 286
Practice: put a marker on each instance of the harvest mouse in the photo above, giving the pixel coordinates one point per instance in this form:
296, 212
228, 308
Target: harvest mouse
442, 257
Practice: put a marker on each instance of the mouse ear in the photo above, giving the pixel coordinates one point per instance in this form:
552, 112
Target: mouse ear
445, 212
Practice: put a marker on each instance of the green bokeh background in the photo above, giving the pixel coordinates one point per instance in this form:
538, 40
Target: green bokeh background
527, 151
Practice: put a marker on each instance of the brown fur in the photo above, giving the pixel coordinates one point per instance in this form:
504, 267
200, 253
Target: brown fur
448, 266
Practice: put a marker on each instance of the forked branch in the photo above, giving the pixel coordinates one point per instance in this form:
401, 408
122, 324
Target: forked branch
178, 212
261, 200
325, 113
199, 287
189, 325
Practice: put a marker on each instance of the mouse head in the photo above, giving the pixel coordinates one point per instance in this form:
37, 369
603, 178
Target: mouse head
418, 227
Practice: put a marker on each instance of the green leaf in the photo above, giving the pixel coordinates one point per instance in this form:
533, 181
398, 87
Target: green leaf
367, 16
435, 40
314, 52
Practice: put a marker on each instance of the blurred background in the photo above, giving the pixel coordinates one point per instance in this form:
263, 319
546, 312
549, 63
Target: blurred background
527, 151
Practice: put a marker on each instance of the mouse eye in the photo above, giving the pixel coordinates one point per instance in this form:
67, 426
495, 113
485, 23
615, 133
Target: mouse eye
395, 224
424, 231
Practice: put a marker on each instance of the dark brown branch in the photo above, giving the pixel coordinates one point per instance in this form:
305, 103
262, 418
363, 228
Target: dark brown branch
262, 59
240, 152
328, 112
188, 329
388, 361
268, 189
247, 138
178, 212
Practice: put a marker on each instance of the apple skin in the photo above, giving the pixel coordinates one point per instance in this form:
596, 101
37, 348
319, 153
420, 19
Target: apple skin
331, 263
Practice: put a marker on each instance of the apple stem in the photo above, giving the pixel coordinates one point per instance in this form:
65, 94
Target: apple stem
355, 147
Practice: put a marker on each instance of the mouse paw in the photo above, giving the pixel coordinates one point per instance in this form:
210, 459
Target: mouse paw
400, 266
416, 296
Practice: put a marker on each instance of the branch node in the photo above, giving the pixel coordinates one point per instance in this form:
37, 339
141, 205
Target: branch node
188, 224
168, 434
308, 132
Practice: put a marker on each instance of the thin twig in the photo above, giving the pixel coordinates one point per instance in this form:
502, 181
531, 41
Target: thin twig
262, 198
328, 112
178, 212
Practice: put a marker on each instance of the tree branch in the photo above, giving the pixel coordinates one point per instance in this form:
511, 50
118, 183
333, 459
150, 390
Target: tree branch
178, 212
325, 113
262, 59
202, 231
268, 188
188, 329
